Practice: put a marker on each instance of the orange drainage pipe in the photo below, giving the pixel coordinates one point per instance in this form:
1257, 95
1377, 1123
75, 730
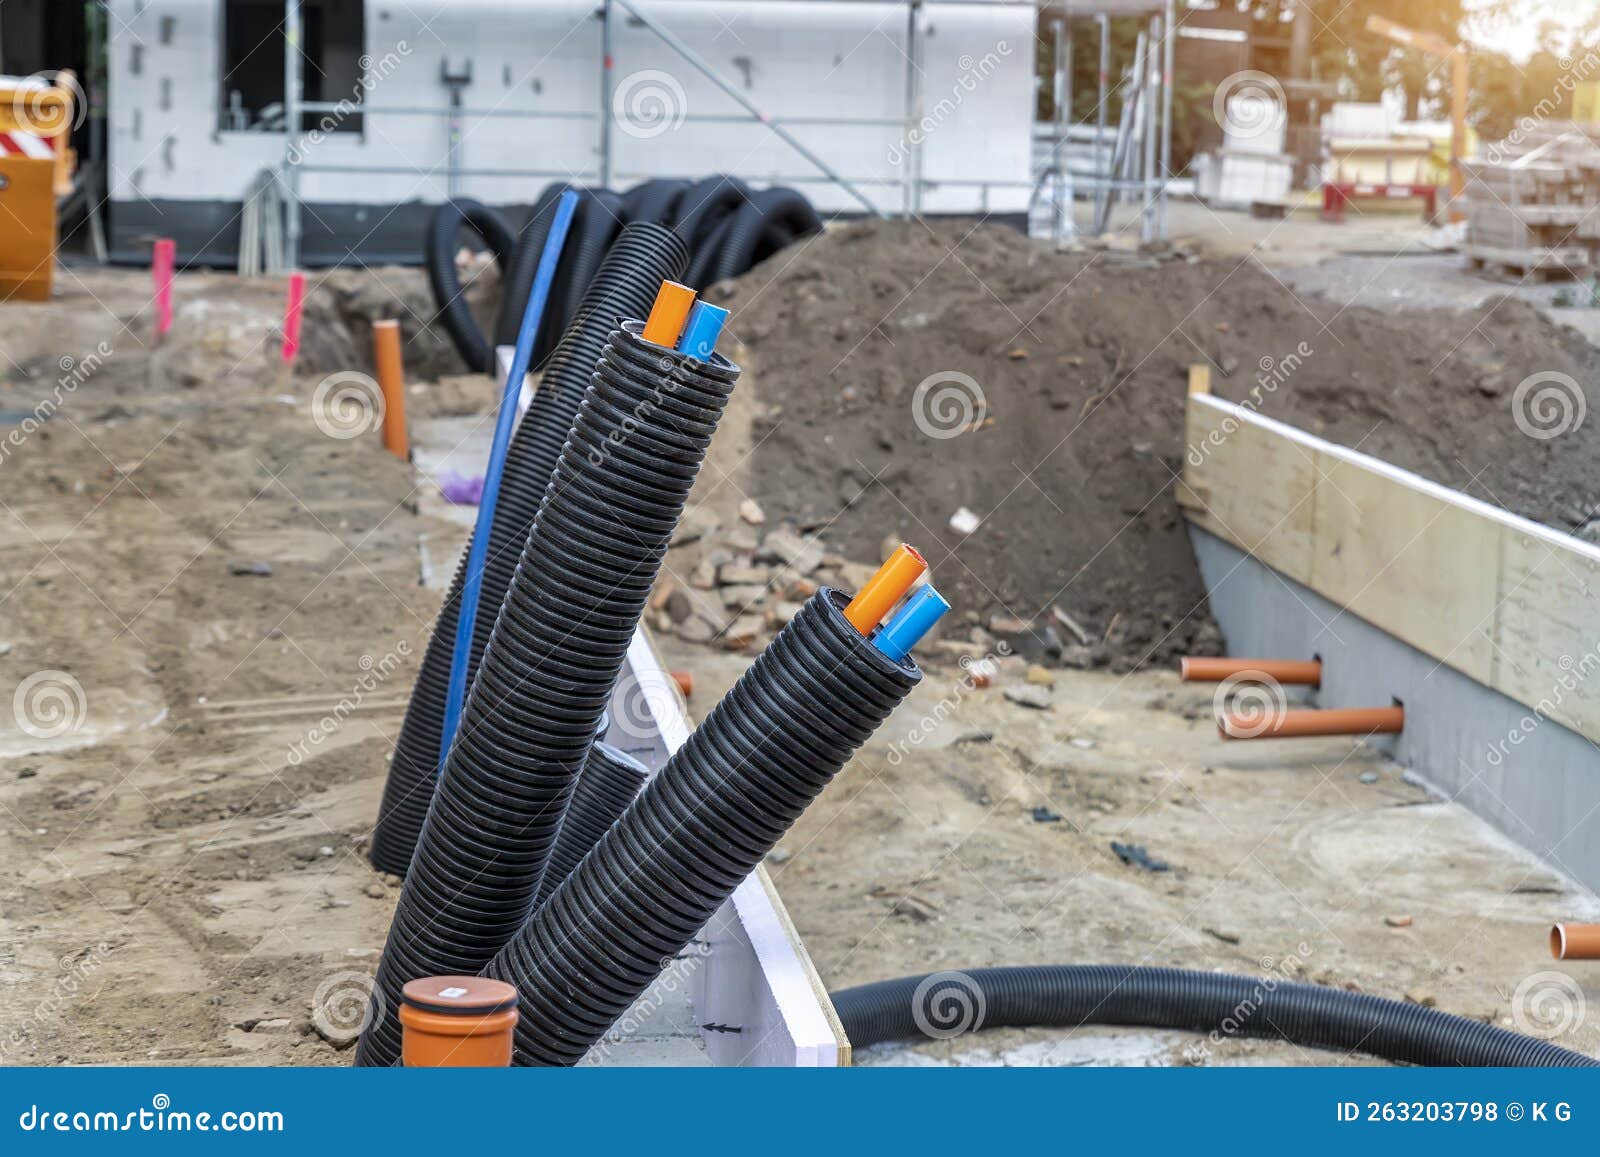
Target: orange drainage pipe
392, 381
1270, 724
1286, 671
457, 1022
1575, 942
883, 590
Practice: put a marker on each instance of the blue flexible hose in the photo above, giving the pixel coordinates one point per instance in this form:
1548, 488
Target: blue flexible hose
526, 337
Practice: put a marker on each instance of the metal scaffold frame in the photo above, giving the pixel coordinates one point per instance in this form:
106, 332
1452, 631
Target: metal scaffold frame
1133, 160
911, 181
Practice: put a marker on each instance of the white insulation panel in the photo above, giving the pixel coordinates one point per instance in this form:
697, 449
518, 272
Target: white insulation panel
814, 59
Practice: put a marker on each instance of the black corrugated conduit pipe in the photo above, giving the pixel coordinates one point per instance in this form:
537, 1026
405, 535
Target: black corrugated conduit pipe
946, 1004
727, 226
518, 283
765, 223
702, 823
440, 259
553, 659
643, 257
610, 780
599, 222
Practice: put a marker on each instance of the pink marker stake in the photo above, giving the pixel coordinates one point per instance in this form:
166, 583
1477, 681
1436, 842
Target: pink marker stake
162, 264
291, 317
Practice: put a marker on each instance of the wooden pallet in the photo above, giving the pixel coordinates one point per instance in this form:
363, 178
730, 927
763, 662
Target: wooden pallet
1519, 264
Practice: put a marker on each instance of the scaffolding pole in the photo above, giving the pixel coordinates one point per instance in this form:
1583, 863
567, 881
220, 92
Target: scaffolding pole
293, 94
608, 79
1103, 99
911, 186
1147, 213
1166, 113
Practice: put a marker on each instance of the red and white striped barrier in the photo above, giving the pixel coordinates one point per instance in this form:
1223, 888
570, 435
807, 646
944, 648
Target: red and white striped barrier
21, 144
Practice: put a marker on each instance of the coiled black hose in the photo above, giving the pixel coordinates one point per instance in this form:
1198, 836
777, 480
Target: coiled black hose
945, 1004
764, 224
700, 826
704, 205
553, 659
440, 260
610, 780
595, 226
643, 256
727, 227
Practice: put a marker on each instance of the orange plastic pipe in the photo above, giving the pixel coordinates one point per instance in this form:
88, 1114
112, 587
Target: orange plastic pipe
457, 1022
1286, 671
392, 381
883, 590
667, 315
1575, 942
1293, 724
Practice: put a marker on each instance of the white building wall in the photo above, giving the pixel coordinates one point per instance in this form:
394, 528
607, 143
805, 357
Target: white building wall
794, 58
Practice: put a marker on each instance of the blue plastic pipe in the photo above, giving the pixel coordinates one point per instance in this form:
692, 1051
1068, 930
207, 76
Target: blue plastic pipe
915, 618
701, 331
456, 697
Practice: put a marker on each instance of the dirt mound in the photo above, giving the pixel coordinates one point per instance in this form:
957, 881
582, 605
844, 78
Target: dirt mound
903, 372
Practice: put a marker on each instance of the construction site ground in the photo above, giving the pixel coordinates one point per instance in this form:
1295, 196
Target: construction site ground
237, 596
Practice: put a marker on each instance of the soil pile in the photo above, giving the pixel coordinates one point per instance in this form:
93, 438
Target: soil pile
905, 372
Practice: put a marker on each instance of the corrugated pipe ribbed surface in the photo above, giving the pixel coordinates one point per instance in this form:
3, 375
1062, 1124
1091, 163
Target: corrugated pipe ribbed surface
642, 258
557, 647
946, 1004
702, 823
610, 780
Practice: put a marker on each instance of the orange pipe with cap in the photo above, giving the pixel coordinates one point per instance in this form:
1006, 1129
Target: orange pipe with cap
1286, 671
1294, 724
392, 381
883, 590
667, 316
1575, 942
457, 1022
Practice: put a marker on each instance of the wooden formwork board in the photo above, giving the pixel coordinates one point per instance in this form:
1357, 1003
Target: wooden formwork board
1508, 602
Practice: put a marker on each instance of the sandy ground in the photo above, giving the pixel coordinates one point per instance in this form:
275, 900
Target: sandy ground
195, 751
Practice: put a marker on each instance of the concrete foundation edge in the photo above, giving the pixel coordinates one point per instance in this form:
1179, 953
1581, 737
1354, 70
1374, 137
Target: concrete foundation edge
1530, 777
